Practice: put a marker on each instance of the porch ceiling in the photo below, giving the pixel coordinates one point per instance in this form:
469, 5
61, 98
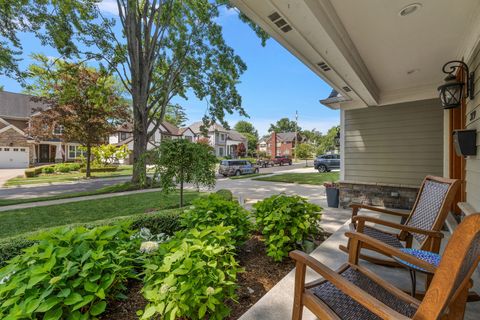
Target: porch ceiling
369, 48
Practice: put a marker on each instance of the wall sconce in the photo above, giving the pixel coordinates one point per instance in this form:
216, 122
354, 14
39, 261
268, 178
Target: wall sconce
451, 93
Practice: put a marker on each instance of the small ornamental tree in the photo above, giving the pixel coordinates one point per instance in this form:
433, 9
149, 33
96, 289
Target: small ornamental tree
107, 154
241, 150
304, 151
84, 102
180, 161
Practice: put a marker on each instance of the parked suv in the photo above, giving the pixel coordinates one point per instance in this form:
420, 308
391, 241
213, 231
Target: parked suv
281, 160
327, 162
236, 167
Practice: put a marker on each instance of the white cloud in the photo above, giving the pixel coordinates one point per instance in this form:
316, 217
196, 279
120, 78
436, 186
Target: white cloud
109, 6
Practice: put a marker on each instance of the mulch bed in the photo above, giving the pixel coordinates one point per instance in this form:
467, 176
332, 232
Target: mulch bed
261, 274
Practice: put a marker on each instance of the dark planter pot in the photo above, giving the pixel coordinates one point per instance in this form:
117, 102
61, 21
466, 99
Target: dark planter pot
332, 197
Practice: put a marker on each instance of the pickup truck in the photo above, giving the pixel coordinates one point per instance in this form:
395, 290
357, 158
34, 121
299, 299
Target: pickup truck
281, 160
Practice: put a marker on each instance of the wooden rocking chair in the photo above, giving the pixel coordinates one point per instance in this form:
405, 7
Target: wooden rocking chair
353, 292
423, 223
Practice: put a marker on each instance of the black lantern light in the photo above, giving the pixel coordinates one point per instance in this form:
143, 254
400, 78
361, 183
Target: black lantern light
451, 93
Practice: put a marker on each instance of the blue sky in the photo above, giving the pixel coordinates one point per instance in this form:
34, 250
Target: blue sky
274, 85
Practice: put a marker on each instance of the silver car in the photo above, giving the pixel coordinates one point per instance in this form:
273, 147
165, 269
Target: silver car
237, 168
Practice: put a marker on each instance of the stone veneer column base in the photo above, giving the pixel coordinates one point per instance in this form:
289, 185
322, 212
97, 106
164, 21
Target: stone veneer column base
377, 194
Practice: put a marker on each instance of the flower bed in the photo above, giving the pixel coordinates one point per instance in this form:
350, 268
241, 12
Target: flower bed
130, 271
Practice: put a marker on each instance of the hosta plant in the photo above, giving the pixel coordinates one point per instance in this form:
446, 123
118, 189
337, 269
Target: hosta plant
285, 222
214, 210
70, 273
191, 276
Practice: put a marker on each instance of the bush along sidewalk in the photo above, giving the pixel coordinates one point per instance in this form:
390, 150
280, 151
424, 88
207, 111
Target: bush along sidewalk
186, 260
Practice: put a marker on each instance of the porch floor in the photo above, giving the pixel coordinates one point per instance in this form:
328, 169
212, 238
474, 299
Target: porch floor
277, 303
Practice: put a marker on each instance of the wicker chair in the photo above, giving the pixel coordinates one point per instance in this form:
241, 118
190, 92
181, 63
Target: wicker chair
353, 292
423, 223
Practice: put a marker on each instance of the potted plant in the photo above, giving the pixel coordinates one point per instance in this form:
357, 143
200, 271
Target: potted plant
332, 191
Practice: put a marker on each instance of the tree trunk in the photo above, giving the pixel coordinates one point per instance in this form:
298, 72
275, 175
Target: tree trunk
181, 187
140, 140
89, 156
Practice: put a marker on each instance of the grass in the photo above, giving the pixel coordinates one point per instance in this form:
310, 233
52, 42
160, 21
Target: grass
120, 187
66, 177
302, 178
20, 221
247, 176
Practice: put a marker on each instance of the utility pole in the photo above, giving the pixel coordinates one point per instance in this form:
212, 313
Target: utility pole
296, 135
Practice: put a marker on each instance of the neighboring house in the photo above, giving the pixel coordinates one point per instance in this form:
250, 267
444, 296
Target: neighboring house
385, 71
279, 144
17, 150
124, 136
225, 142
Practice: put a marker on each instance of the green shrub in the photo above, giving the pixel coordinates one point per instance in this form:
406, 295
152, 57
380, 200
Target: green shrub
214, 210
67, 167
225, 194
285, 222
13, 247
191, 276
101, 169
48, 170
70, 272
32, 172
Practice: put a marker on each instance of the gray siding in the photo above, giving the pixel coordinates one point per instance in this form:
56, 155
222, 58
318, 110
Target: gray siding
395, 144
473, 162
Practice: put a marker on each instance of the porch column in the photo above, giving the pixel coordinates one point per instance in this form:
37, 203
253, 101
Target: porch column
58, 152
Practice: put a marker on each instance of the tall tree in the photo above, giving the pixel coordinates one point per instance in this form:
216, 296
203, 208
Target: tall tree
284, 125
327, 142
86, 104
165, 48
176, 115
248, 130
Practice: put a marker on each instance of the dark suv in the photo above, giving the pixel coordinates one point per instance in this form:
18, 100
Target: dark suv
327, 162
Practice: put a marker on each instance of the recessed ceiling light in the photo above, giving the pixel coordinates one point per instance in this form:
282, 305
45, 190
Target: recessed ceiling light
408, 10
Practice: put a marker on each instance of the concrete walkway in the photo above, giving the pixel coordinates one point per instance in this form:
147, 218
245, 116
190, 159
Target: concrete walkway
7, 174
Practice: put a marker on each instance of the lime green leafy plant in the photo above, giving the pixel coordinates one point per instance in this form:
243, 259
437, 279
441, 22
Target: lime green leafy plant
70, 272
191, 276
285, 222
214, 210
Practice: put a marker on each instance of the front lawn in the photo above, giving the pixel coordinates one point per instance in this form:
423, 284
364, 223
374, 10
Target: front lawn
302, 178
19, 221
65, 177
120, 187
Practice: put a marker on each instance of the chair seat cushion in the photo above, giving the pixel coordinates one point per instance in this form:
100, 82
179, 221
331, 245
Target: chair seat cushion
347, 308
383, 236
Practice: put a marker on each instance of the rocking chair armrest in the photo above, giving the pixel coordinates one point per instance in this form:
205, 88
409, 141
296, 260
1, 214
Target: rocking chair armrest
357, 206
403, 227
356, 293
390, 251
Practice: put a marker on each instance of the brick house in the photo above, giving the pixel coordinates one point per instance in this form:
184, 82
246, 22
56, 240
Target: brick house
279, 144
17, 150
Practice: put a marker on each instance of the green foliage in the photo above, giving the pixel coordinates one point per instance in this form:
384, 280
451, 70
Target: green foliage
108, 154
70, 272
285, 222
33, 172
176, 115
180, 161
214, 210
304, 151
327, 142
225, 194
67, 167
284, 125
48, 170
166, 221
191, 276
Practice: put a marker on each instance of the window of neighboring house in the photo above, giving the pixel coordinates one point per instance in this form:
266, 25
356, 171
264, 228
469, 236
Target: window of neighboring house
6, 149
220, 152
75, 152
279, 144
58, 129
222, 137
278, 153
217, 135
189, 138
287, 152
123, 136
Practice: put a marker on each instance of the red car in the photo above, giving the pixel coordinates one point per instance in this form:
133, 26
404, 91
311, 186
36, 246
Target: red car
281, 160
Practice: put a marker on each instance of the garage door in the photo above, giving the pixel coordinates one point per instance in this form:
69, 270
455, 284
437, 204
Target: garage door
13, 157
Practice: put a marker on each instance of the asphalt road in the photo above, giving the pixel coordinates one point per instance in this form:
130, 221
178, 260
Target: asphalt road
45, 190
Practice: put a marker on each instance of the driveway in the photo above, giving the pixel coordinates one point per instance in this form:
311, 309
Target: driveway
7, 174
